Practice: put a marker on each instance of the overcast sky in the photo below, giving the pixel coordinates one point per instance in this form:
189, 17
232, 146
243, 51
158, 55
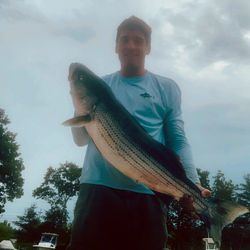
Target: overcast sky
204, 45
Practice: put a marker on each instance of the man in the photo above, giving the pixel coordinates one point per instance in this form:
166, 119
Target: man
112, 210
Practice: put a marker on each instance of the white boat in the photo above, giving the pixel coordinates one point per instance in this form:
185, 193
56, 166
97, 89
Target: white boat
6, 245
210, 244
48, 241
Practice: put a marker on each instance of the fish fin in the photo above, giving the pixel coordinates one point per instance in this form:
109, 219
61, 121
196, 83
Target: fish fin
78, 121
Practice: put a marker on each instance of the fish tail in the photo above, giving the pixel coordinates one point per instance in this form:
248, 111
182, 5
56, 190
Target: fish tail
221, 213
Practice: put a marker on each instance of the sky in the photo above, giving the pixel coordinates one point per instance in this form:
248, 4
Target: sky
204, 45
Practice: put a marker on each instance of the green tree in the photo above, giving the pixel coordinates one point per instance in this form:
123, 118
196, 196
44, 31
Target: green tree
59, 185
204, 178
28, 225
243, 196
11, 164
32, 224
6, 231
222, 188
55, 221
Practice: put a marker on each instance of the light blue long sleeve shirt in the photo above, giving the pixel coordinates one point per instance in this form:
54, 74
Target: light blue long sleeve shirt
155, 102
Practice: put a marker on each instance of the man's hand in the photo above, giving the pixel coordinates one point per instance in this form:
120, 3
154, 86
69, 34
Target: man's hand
187, 204
205, 193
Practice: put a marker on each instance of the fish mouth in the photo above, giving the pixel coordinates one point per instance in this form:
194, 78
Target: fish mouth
77, 72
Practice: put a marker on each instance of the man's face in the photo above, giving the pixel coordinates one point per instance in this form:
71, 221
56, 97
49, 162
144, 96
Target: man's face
132, 48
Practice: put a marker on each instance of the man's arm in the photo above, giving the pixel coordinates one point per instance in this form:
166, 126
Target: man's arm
175, 137
177, 141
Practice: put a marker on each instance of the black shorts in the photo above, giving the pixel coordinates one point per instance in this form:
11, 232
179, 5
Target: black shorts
111, 219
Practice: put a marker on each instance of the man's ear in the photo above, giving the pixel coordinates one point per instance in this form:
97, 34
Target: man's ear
116, 48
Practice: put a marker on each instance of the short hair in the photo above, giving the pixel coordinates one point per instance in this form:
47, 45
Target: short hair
135, 23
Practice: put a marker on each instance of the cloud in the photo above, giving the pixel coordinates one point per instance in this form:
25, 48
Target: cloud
205, 32
237, 10
219, 135
79, 33
221, 35
29, 20
226, 119
3, 3
19, 10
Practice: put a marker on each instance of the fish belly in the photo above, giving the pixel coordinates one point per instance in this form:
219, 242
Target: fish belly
129, 159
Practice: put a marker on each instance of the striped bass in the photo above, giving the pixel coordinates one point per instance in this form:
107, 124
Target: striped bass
127, 146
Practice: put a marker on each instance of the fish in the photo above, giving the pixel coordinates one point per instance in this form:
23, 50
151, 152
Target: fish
123, 141
125, 144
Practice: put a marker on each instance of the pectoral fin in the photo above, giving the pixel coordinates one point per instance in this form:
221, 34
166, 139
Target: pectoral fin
78, 121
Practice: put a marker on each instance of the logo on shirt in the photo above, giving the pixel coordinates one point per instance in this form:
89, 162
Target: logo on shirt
146, 95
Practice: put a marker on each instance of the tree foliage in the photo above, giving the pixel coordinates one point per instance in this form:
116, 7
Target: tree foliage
59, 185
11, 164
28, 225
222, 188
56, 219
32, 224
244, 192
6, 231
186, 231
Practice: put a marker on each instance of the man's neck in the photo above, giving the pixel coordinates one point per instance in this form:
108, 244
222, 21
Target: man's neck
132, 72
